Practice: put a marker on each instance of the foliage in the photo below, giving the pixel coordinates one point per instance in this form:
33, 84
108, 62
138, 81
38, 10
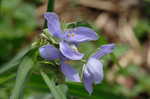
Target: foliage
18, 21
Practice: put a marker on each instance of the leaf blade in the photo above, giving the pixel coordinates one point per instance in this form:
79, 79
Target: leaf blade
22, 73
54, 90
15, 61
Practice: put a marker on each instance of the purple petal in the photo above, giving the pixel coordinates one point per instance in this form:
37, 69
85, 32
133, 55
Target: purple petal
69, 52
95, 69
105, 49
80, 34
49, 52
70, 72
53, 24
88, 81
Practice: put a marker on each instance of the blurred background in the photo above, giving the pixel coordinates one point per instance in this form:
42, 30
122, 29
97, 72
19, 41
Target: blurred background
124, 22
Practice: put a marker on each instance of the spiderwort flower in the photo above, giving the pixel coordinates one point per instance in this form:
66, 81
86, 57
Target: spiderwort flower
49, 52
93, 70
67, 45
69, 37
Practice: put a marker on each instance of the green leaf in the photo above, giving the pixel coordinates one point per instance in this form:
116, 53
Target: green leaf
63, 88
6, 77
15, 61
56, 91
8, 66
101, 91
22, 74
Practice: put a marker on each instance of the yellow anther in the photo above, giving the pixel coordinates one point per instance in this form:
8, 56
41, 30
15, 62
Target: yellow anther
70, 34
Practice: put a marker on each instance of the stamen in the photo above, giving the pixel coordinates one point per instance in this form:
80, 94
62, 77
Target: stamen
68, 34
71, 34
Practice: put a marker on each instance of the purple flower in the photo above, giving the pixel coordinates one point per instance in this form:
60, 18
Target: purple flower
70, 37
49, 52
93, 70
67, 48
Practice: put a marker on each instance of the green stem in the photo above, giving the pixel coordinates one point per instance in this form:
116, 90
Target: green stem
50, 8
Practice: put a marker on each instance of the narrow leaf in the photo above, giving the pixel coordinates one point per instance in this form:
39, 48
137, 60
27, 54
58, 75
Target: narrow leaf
6, 78
22, 74
56, 92
15, 61
101, 91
